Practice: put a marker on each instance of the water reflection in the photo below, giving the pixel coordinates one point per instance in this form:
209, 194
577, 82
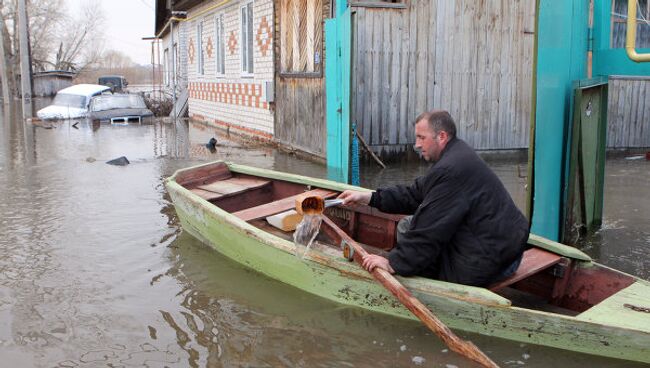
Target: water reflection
96, 271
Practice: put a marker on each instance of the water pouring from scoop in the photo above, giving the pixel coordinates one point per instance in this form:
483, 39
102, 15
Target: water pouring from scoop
311, 207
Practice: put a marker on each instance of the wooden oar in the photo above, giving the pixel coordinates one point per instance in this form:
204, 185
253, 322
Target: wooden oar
465, 348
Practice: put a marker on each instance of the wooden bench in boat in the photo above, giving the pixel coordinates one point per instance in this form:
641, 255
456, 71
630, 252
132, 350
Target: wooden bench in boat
278, 206
228, 187
534, 261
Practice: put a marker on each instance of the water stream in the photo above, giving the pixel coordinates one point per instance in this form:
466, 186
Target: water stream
305, 233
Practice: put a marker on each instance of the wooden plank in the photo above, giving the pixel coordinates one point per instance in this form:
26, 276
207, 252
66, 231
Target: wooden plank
310, 28
421, 54
623, 309
394, 74
278, 206
376, 77
203, 174
207, 195
385, 55
534, 260
437, 13
403, 117
431, 57
233, 185
412, 51
558, 248
222, 187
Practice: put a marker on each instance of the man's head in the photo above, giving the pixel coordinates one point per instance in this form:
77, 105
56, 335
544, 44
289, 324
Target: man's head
433, 130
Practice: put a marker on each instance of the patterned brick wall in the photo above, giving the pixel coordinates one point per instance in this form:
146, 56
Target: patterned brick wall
232, 99
240, 94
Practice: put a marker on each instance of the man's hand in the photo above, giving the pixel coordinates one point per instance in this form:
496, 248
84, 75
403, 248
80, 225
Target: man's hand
355, 197
371, 261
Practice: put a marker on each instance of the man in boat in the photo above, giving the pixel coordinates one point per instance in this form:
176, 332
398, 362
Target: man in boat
463, 226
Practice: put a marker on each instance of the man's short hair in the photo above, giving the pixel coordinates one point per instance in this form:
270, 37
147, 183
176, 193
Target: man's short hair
439, 120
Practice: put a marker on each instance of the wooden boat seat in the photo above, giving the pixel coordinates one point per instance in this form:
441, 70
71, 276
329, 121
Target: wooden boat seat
534, 260
278, 206
228, 187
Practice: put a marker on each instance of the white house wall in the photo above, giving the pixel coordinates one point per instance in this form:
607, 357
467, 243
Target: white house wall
232, 100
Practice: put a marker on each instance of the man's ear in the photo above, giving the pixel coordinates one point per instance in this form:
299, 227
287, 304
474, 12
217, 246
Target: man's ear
443, 135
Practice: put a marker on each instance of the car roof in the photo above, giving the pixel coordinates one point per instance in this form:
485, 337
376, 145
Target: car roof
84, 89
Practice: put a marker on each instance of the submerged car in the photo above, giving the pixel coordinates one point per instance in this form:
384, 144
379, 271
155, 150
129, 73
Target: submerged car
119, 109
71, 102
116, 83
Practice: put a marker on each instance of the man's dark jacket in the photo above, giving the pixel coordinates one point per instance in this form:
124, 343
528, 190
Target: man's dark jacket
465, 228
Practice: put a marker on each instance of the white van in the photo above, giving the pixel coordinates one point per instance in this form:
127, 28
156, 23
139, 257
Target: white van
71, 102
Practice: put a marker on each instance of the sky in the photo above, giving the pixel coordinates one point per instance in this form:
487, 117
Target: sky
127, 22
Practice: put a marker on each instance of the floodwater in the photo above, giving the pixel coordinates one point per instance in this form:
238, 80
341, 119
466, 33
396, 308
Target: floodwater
95, 270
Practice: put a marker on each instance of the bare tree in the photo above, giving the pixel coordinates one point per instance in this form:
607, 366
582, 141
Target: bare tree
82, 41
58, 40
45, 23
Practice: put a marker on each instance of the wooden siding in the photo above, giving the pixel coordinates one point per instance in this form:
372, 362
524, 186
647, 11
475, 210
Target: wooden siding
628, 115
300, 92
472, 58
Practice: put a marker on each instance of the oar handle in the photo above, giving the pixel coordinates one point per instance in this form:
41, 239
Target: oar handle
465, 348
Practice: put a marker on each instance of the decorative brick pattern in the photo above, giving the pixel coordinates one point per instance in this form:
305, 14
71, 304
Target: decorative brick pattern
209, 48
264, 36
241, 94
190, 51
232, 43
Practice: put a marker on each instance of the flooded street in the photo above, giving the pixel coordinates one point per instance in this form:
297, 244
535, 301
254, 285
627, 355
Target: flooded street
95, 270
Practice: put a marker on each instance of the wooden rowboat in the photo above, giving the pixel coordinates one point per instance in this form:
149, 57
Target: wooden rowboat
558, 297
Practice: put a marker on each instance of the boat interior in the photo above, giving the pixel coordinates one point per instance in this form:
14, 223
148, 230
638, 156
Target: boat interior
544, 281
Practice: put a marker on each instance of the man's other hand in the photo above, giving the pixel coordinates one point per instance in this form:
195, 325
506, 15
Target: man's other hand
371, 261
355, 197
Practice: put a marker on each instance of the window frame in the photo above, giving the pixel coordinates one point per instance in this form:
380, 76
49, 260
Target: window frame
617, 18
200, 58
320, 49
220, 44
167, 70
245, 38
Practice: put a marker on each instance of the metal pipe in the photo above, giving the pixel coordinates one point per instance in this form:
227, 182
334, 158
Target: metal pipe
630, 38
173, 72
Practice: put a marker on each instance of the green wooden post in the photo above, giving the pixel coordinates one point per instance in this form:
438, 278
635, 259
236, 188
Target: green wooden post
338, 44
561, 58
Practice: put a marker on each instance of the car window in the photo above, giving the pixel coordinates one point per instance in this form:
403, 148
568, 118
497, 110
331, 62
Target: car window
113, 81
75, 101
109, 102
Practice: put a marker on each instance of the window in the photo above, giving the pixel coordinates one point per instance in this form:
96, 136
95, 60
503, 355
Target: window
199, 48
247, 38
619, 24
219, 45
301, 37
167, 70
175, 63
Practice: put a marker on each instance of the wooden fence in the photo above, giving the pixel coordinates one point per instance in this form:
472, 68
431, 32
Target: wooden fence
473, 58
628, 112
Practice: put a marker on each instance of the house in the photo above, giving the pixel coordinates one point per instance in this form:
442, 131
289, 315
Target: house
223, 54
258, 68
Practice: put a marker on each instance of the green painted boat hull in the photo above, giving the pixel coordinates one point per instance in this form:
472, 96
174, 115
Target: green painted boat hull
466, 308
